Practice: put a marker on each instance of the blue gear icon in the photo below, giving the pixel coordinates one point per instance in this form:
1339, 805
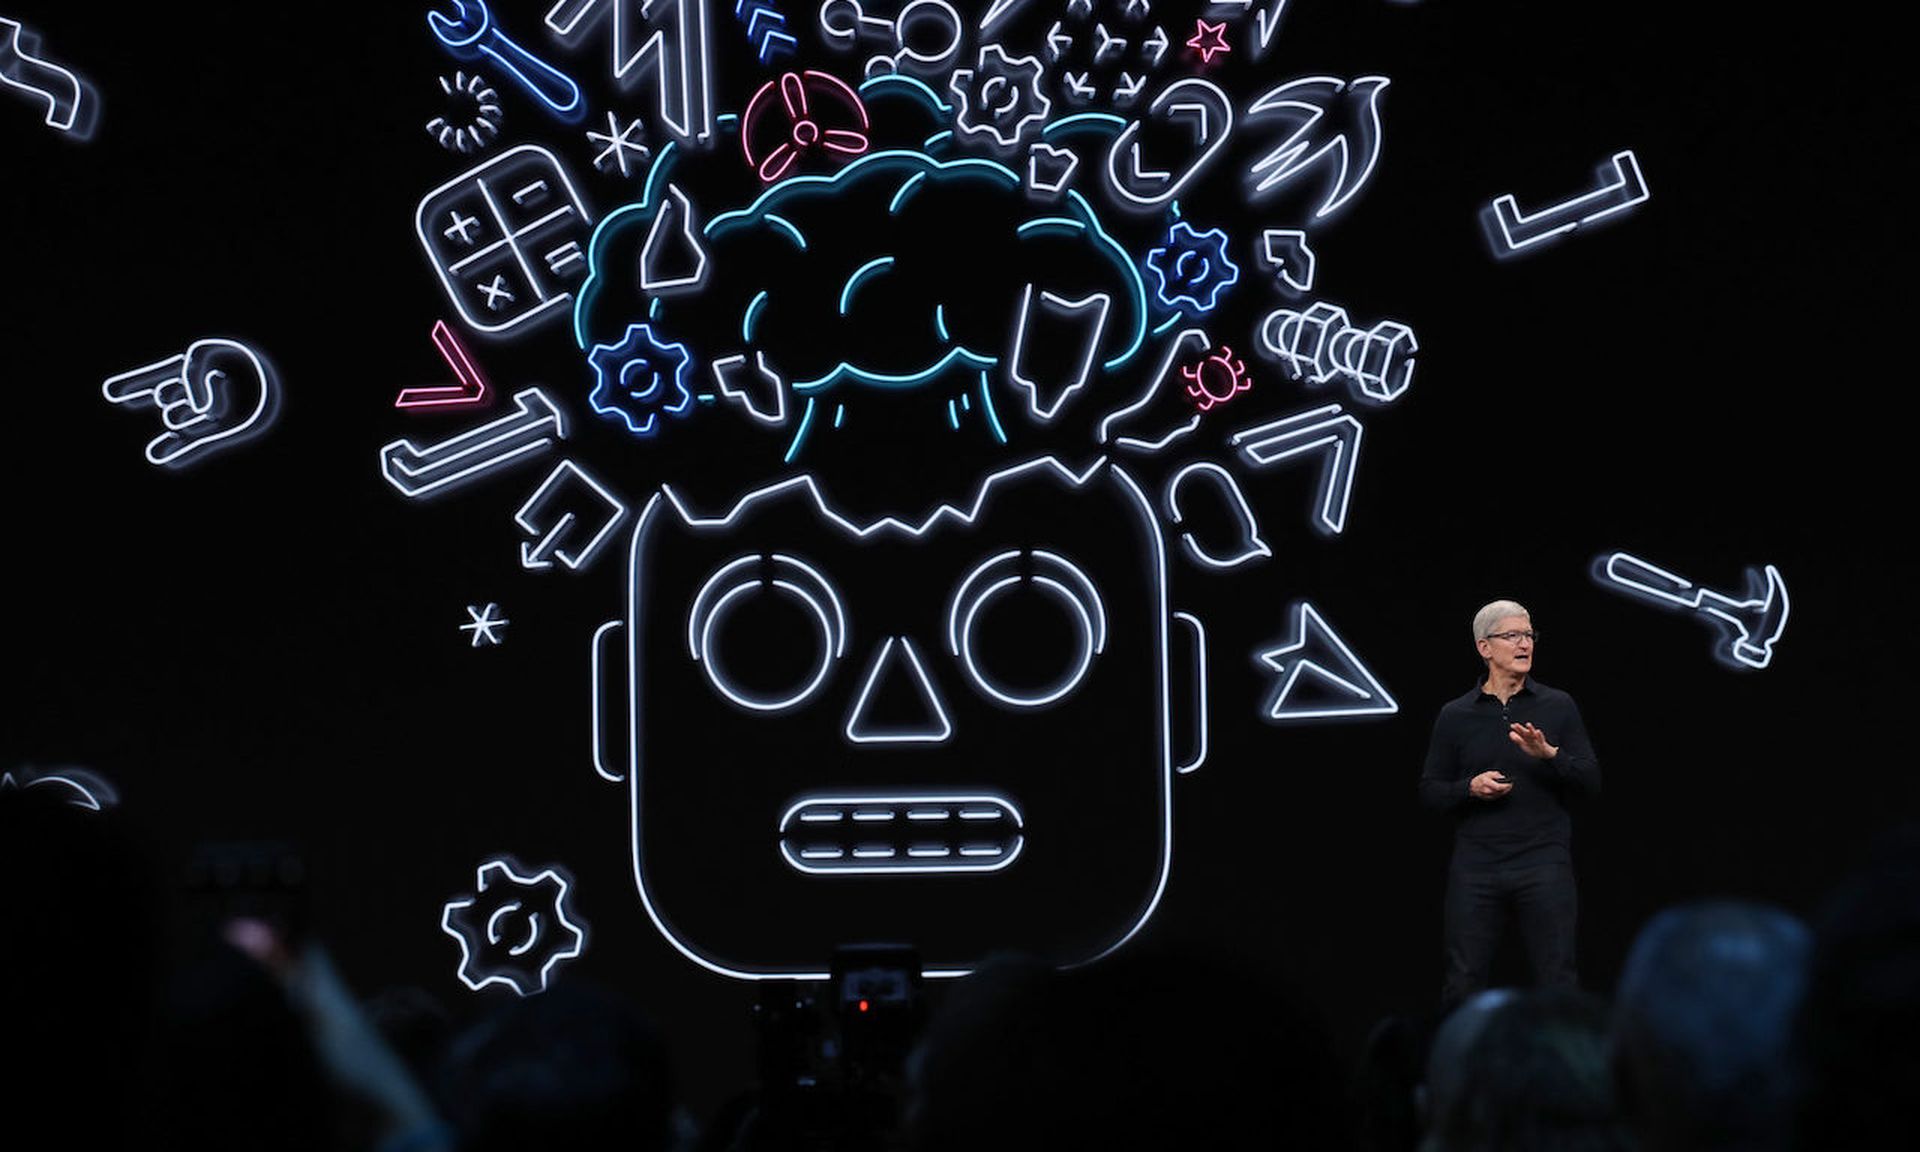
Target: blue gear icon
639, 378
1192, 268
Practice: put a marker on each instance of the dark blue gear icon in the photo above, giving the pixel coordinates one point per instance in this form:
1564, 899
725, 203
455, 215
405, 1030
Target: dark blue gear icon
639, 378
1192, 267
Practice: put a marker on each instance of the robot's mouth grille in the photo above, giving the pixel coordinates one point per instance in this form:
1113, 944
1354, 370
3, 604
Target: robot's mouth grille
865, 835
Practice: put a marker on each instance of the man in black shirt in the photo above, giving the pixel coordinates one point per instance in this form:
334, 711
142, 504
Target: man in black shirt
1503, 760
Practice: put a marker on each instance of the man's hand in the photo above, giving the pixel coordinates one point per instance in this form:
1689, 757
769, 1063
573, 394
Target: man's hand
1532, 741
1488, 786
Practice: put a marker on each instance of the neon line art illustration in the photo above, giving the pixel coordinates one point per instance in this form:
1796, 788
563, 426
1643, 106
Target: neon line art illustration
1050, 169
766, 29
770, 625
805, 97
515, 927
890, 350
1192, 268
1750, 623
672, 237
901, 835
1107, 325
1149, 180
846, 23
78, 787
484, 625
503, 237
666, 39
923, 39
1122, 427
470, 33
1266, 19
1226, 492
71, 105
640, 379
1068, 585
999, 98
1215, 380
1320, 343
1327, 432
617, 143
1209, 40
570, 516
469, 387
1317, 675
1330, 123
1286, 252
475, 113
1619, 186
217, 394
931, 726
419, 472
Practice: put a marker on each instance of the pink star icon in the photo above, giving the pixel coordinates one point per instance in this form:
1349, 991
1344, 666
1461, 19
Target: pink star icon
1209, 40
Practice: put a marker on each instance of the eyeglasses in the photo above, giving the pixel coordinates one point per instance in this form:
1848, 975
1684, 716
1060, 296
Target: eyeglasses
1514, 637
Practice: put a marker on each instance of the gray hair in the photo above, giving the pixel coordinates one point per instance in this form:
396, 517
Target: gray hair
1486, 618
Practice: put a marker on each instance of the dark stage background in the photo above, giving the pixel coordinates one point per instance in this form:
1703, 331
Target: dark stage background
265, 645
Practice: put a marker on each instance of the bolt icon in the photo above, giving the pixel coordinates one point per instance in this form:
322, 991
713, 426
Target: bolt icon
1320, 343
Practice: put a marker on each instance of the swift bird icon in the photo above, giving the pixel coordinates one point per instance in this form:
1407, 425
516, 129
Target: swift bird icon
1326, 120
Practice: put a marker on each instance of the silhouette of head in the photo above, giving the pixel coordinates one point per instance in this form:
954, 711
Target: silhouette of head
1700, 1027
1534, 1078
1857, 1039
1151, 1048
573, 1068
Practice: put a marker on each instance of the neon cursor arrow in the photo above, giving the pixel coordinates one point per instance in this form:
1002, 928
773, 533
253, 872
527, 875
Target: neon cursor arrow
1319, 676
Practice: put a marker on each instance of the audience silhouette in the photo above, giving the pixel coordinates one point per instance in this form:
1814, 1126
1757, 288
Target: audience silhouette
1857, 1037
1701, 1020
1159, 1047
1735, 1024
1531, 1077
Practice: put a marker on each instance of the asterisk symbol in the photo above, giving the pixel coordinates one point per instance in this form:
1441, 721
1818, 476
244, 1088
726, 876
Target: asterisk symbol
1210, 40
486, 624
618, 144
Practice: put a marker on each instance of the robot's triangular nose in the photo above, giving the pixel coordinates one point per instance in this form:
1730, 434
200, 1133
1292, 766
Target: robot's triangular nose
897, 703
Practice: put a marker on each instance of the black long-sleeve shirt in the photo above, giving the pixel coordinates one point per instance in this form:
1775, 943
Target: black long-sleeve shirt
1528, 825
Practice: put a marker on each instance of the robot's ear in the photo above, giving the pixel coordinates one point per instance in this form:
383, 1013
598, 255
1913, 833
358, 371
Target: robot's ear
609, 702
1187, 688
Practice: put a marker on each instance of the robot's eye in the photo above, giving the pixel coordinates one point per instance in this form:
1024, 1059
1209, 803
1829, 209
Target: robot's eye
1026, 627
767, 629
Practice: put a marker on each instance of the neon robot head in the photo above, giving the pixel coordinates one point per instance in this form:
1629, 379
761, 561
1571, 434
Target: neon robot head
950, 733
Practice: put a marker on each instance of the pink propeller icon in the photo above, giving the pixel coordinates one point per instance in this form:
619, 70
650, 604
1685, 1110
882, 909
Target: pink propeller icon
822, 112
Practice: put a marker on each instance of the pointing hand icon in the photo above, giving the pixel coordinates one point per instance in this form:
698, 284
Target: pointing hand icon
216, 392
